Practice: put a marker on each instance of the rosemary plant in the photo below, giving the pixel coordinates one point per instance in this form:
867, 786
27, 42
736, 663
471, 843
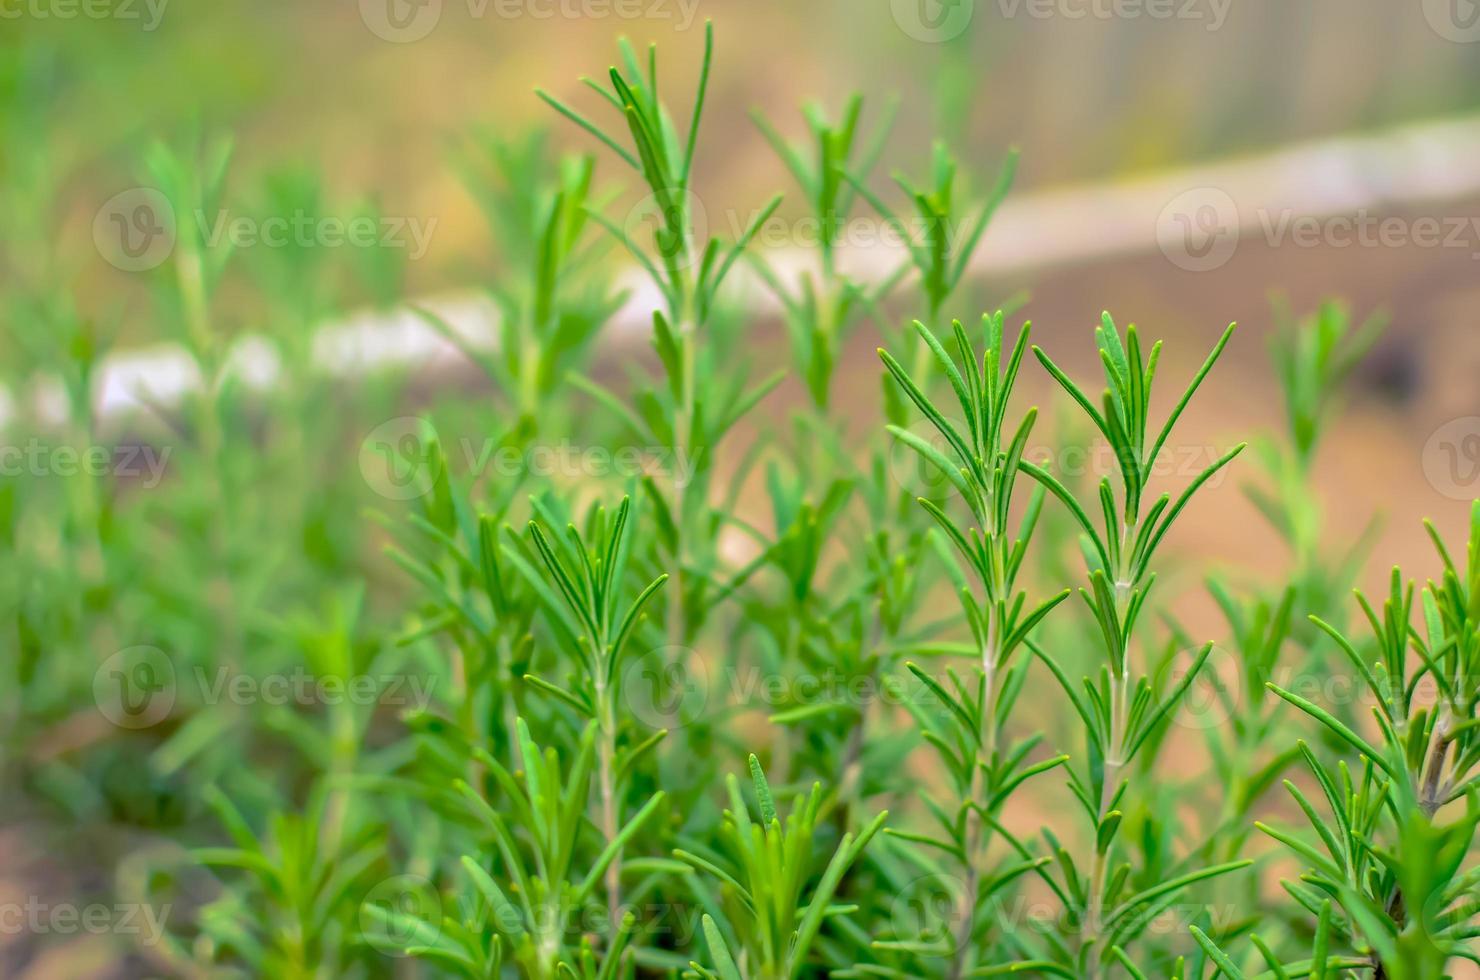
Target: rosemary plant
1387, 878
1120, 715
688, 274
772, 862
588, 579
983, 465
820, 312
553, 294
941, 235
523, 702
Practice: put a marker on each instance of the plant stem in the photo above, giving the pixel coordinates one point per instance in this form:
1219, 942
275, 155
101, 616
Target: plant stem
683, 435
985, 760
683, 420
990, 655
961, 938
1396, 912
1431, 798
606, 766
1094, 912
1119, 685
1123, 581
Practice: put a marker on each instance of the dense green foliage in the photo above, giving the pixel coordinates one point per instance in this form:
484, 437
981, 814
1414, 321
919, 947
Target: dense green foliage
921, 712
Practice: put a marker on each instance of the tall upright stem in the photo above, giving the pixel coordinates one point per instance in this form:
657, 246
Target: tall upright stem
606, 748
990, 655
985, 756
1113, 761
1429, 797
683, 435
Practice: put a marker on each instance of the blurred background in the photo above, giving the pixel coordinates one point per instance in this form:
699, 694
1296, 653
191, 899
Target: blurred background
1184, 164
1135, 119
